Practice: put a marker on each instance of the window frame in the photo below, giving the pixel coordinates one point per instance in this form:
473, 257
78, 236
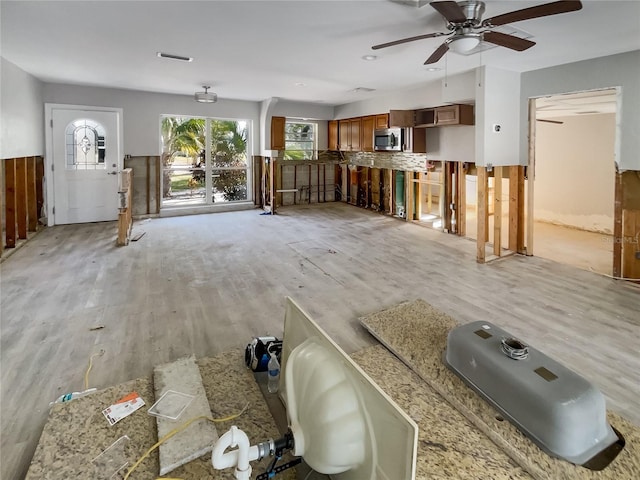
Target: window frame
308, 153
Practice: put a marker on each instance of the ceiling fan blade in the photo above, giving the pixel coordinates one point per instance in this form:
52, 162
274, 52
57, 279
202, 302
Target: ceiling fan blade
450, 10
545, 10
438, 54
407, 40
509, 41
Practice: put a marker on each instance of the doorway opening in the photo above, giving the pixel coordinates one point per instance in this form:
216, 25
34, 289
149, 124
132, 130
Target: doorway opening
204, 161
574, 188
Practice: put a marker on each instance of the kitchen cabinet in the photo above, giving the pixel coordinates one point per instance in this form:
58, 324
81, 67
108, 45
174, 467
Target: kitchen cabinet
355, 134
368, 125
277, 133
333, 135
401, 118
382, 120
458, 114
349, 134
344, 135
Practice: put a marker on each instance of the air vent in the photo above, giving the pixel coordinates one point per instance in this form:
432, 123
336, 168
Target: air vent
174, 57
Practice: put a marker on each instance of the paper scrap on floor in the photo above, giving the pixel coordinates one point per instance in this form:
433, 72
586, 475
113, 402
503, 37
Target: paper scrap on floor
123, 408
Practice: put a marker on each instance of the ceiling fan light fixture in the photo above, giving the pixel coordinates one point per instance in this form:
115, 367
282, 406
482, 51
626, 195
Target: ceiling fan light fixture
206, 97
465, 43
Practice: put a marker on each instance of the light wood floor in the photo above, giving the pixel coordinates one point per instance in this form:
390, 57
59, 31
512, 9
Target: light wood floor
207, 283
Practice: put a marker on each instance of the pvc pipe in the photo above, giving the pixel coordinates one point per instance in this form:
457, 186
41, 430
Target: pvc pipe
239, 458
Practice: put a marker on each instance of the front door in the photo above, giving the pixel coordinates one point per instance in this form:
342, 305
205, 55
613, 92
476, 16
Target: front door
86, 161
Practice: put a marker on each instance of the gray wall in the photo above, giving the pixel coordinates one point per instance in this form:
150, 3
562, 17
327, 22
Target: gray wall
622, 70
142, 111
21, 113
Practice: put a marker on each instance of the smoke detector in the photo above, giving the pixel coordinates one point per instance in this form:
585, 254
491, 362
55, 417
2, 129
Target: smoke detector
206, 97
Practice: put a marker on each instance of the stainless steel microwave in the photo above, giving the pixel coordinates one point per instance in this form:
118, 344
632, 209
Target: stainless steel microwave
388, 139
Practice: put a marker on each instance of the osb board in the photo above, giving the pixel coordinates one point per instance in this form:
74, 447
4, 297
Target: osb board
417, 333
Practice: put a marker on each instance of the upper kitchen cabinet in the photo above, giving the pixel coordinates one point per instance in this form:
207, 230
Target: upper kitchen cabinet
333, 135
349, 134
277, 133
382, 120
368, 125
402, 118
458, 114
344, 135
355, 134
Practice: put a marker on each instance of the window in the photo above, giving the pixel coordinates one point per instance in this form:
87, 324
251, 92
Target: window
300, 141
197, 172
85, 145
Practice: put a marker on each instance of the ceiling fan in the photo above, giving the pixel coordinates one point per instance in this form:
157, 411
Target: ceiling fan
467, 29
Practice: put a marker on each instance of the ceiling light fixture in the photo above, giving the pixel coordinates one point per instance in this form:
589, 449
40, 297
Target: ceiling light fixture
300, 84
369, 58
206, 97
174, 57
433, 69
465, 43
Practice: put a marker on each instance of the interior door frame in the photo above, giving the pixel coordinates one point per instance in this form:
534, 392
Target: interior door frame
48, 159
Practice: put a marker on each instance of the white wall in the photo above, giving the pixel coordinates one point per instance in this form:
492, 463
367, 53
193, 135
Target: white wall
142, 111
497, 106
21, 113
575, 172
621, 70
426, 95
455, 143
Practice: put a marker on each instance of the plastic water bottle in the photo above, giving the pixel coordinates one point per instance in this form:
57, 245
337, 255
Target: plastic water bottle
67, 397
273, 368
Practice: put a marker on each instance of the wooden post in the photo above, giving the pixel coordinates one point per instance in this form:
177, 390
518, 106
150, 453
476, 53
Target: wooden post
21, 197
617, 227
408, 195
39, 186
630, 247
516, 209
417, 189
148, 165
497, 210
10, 206
531, 173
482, 214
448, 196
295, 182
158, 180
461, 204
32, 200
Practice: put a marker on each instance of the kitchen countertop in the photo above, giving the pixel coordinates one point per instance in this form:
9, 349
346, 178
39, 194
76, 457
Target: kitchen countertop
76, 432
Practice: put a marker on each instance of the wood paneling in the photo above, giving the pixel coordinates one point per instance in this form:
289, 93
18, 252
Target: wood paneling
32, 198
21, 196
497, 210
516, 209
277, 133
10, 205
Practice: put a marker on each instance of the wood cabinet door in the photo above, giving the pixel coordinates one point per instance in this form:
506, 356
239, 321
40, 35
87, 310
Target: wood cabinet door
368, 124
448, 115
401, 118
344, 129
355, 134
333, 135
382, 120
277, 133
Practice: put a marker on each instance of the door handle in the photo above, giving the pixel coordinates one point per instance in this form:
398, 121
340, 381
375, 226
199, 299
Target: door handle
112, 173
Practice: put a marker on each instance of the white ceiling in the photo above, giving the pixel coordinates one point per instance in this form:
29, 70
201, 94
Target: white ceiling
253, 50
